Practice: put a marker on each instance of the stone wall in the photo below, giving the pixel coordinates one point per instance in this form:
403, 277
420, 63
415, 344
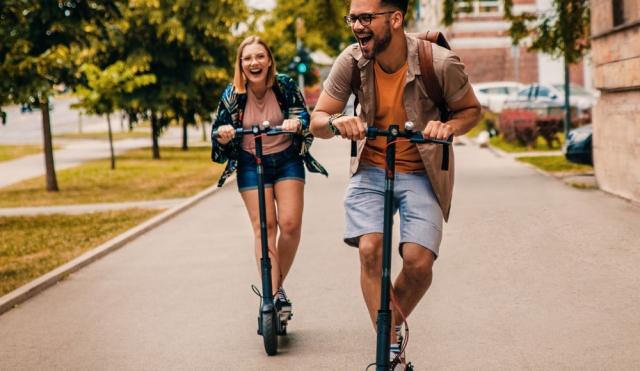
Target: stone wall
497, 64
616, 117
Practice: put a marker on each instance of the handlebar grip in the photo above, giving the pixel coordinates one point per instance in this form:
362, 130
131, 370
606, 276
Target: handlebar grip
239, 131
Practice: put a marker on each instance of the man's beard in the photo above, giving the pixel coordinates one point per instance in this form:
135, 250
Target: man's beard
379, 45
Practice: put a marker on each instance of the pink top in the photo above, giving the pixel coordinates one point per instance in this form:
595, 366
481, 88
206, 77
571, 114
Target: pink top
258, 110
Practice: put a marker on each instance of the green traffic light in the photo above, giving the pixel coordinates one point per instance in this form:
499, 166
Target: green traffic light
302, 68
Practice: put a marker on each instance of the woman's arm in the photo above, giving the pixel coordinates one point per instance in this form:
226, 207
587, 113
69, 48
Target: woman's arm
219, 152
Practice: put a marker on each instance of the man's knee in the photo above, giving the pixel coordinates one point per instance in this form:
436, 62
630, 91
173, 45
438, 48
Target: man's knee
370, 248
417, 261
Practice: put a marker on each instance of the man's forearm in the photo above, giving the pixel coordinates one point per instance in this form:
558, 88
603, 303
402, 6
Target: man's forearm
319, 127
464, 120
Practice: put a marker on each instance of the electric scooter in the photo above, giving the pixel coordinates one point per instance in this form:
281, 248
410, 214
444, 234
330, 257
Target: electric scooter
272, 321
383, 320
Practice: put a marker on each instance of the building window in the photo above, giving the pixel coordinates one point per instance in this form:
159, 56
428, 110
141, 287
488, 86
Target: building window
618, 12
480, 8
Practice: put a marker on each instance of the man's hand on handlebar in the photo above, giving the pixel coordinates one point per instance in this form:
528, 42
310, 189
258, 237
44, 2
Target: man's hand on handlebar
225, 134
351, 127
437, 130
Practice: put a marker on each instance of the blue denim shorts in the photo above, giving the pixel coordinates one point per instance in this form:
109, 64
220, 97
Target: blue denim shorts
420, 214
284, 165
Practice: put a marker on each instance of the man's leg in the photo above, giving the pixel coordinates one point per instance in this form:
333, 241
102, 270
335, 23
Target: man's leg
370, 248
414, 278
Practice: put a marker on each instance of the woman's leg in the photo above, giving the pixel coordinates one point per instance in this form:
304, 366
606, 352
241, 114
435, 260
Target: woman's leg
289, 196
250, 199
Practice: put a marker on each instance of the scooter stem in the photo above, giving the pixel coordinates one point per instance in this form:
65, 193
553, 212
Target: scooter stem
384, 313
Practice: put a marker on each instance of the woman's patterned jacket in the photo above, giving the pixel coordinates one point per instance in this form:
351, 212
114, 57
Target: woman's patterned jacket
231, 110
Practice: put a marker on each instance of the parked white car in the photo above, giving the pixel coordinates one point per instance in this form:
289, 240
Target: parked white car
553, 94
492, 95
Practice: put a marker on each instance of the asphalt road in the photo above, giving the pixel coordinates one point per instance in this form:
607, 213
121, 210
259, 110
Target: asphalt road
533, 274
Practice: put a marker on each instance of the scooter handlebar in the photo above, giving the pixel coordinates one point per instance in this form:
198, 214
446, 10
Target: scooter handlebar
409, 133
256, 130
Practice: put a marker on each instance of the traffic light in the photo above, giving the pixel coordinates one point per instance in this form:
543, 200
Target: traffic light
301, 62
302, 68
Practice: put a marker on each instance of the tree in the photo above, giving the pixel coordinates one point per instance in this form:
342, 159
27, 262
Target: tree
561, 32
189, 45
40, 42
102, 94
323, 29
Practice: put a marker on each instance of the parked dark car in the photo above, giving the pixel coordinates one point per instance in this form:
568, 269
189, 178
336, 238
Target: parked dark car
578, 147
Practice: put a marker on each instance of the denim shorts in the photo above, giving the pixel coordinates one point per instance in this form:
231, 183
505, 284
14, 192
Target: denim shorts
284, 165
420, 213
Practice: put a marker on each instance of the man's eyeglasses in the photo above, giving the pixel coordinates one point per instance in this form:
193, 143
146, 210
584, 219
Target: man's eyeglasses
364, 18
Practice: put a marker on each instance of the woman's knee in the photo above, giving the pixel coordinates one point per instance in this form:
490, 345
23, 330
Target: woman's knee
290, 226
271, 228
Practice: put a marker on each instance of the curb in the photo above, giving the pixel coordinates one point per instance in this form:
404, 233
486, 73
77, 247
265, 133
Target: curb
30, 289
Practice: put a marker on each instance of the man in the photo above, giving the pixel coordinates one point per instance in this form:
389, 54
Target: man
392, 92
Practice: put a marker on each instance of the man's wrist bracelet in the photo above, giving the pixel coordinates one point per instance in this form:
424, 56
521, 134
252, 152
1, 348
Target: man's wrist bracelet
332, 118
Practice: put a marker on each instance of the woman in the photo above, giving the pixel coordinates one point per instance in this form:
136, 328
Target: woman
257, 94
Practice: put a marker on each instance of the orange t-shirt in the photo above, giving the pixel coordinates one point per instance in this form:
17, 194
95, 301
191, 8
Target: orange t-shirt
390, 110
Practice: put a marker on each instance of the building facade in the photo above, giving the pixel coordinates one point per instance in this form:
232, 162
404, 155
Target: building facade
615, 28
480, 38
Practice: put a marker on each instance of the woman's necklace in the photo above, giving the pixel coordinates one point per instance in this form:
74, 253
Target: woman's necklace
260, 101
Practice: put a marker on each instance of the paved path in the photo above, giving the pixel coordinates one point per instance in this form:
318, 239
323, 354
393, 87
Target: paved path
533, 274
89, 208
77, 152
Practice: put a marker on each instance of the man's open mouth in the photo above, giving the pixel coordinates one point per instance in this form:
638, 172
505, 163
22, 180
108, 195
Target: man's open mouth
364, 40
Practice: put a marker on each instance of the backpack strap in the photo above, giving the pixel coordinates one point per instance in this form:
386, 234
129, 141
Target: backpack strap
355, 86
433, 88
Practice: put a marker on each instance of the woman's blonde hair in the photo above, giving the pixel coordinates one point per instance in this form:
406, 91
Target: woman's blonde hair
239, 80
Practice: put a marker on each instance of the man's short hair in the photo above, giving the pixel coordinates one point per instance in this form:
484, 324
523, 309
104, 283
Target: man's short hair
402, 5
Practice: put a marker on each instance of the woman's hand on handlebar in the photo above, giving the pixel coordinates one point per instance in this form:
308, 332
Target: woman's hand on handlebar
437, 130
292, 125
225, 134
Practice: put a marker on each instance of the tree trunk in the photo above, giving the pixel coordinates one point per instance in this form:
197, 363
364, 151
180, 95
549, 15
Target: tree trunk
567, 107
204, 131
154, 136
52, 181
185, 136
113, 155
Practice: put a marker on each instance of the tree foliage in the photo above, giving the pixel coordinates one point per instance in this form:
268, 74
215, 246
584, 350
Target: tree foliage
323, 28
40, 42
563, 31
188, 46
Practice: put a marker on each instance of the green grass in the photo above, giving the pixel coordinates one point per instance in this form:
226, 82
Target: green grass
34, 245
8, 153
136, 177
555, 164
475, 131
487, 121
13, 152
117, 135
541, 145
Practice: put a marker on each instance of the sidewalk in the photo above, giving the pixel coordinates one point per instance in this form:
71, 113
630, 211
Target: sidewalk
77, 152
532, 275
89, 208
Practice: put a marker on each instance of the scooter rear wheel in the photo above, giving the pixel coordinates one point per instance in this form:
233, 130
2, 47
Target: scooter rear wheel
270, 332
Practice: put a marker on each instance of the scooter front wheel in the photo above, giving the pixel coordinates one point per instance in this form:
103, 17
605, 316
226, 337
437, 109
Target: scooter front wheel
270, 332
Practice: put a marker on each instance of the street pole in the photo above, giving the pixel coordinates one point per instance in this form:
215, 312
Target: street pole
515, 53
567, 107
299, 25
